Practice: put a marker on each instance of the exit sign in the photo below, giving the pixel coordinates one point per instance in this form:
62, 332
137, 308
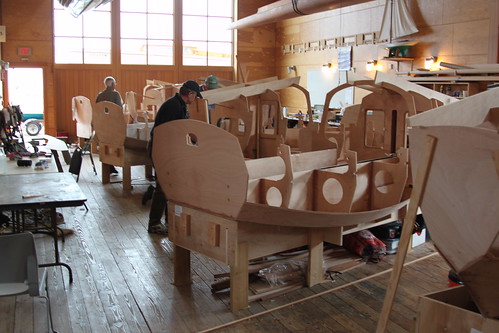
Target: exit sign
24, 51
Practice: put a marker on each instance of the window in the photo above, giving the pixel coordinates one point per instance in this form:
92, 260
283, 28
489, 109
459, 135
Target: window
80, 40
206, 41
146, 32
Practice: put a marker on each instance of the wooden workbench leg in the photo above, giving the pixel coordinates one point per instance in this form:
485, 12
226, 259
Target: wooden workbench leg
181, 266
127, 178
315, 257
239, 281
106, 173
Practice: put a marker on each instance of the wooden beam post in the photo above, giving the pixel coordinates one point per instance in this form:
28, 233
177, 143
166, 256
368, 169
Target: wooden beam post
315, 256
239, 279
415, 201
181, 266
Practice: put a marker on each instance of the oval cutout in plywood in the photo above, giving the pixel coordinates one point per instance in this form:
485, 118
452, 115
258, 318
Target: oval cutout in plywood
273, 197
192, 139
332, 191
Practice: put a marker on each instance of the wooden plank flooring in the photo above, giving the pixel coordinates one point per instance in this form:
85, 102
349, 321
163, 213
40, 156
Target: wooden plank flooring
123, 275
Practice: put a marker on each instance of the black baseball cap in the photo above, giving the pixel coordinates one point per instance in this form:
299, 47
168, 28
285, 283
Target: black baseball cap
192, 85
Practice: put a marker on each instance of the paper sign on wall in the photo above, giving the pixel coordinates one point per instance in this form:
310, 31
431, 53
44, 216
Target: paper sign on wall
344, 58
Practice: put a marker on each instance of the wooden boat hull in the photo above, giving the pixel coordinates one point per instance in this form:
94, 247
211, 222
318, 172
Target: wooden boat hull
461, 200
201, 166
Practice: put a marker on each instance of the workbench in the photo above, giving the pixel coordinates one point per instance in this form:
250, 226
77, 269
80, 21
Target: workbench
36, 191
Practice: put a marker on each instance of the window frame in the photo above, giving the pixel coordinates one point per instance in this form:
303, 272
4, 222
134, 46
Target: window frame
83, 38
115, 40
207, 41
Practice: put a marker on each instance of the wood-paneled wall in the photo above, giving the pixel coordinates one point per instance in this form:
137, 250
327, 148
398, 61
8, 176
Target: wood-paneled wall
457, 31
87, 81
255, 46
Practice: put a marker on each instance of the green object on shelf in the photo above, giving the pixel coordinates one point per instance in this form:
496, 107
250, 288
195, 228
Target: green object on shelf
401, 51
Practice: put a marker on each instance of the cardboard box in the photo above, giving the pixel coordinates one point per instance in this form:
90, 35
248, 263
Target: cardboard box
418, 239
452, 310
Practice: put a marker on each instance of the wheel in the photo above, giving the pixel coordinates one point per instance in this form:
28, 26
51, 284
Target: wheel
33, 127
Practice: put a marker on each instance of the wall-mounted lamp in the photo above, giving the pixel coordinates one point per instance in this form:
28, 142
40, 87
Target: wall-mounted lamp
430, 61
291, 68
371, 64
328, 69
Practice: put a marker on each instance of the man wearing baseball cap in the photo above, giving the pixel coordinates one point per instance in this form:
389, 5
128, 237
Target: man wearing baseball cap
172, 109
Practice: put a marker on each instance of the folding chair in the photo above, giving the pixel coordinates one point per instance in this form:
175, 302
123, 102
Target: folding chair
19, 273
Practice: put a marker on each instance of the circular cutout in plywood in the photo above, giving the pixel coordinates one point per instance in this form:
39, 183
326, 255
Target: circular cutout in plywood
332, 191
273, 197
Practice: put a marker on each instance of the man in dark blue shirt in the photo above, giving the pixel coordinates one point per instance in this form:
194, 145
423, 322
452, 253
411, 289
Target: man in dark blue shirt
172, 109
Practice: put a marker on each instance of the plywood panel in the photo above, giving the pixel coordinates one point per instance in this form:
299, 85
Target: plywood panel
471, 37
465, 10
432, 14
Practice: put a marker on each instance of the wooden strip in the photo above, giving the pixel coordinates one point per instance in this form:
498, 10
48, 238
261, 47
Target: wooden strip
275, 292
463, 78
416, 198
221, 95
312, 296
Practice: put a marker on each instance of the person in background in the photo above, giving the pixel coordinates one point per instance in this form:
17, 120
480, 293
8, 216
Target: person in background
211, 82
172, 109
110, 94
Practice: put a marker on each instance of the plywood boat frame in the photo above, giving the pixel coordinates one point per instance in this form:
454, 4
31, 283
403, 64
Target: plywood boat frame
115, 148
233, 210
377, 126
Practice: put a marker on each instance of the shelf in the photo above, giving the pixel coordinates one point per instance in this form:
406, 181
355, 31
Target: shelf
400, 59
453, 88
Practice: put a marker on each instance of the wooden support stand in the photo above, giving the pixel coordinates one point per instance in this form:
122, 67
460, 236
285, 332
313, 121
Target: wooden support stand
235, 243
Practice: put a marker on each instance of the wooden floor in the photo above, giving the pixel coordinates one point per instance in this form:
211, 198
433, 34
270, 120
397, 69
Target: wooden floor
123, 275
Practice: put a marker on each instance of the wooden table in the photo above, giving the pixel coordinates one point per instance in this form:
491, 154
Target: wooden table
43, 190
